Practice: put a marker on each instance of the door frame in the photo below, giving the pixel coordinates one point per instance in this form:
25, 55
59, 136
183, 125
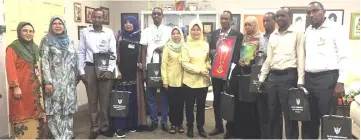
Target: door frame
3, 46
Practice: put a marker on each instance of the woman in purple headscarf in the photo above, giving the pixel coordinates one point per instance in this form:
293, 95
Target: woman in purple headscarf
128, 49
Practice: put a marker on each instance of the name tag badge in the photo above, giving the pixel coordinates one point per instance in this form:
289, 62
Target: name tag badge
103, 43
131, 46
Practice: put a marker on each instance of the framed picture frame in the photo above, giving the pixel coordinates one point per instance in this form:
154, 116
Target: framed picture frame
207, 27
77, 12
300, 21
106, 15
355, 26
335, 15
124, 15
236, 25
88, 14
221, 64
79, 29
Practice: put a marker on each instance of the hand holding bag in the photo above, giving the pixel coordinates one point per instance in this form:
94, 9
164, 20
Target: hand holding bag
154, 77
101, 62
119, 102
299, 107
336, 127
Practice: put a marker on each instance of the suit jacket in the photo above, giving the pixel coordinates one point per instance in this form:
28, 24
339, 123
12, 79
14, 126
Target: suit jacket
237, 46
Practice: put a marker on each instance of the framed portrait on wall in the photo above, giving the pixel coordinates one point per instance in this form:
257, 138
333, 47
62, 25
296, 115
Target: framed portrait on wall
207, 27
355, 26
236, 25
79, 29
77, 12
335, 15
88, 14
106, 15
300, 21
123, 15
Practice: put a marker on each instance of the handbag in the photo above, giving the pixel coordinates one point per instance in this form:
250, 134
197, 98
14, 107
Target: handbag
243, 88
336, 127
299, 107
255, 72
101, 62
227, 106
154, 76
119, 102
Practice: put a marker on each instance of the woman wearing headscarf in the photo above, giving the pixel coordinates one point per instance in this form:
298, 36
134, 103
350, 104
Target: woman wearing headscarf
172, 74
196, 64
246, 124
59, 71
25, 97
128, 49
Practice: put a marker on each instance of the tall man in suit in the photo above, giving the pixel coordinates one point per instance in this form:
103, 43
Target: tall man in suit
218, 84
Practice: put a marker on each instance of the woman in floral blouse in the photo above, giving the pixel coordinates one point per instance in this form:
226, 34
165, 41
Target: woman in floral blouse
59, 69
25, 107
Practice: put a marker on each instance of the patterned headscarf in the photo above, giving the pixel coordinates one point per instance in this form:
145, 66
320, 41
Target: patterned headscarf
254, 35
134, 35
61, 39
176, 46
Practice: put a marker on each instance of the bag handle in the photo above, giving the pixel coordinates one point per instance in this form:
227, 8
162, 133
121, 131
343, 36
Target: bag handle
116, 81
151, 60
334, 108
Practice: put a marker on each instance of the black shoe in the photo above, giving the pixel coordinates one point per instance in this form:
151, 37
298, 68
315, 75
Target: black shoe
216, 131
180, 129
202, 133
227, 135
190, 134
107, 133
173, 130
153, 126
165, 127
120, 133
93, 135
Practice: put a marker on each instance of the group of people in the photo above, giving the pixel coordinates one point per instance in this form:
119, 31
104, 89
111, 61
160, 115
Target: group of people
42, 81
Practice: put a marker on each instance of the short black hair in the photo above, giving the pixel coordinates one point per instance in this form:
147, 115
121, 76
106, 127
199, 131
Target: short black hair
273, 15
158, 9
332, 15
319, 4
229, 12
289, 12
99, 10
298, 18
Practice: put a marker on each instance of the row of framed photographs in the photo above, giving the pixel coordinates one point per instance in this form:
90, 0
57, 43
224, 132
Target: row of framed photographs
88, 13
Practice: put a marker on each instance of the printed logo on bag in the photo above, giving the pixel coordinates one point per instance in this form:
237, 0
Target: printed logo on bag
255, 82
298, 101
337, 130
156, 73
104, 62
120, 101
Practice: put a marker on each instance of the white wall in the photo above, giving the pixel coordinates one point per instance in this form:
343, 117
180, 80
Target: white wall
73, 31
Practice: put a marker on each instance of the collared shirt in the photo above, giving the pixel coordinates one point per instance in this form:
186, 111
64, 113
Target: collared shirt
155, 37
223, 34
92, 41
285, 50
327, 49
263, 42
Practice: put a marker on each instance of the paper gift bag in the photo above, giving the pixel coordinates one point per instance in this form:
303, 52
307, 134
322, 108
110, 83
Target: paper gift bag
119, 102
336, 127
298, 104
101, 62
154, 77
255, 72
227, 106
243, 89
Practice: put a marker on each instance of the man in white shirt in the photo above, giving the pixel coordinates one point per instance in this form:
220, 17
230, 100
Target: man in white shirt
97, 39
154, 38
325, 66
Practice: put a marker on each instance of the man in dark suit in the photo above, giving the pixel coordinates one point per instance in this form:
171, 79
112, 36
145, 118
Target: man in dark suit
218, 84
